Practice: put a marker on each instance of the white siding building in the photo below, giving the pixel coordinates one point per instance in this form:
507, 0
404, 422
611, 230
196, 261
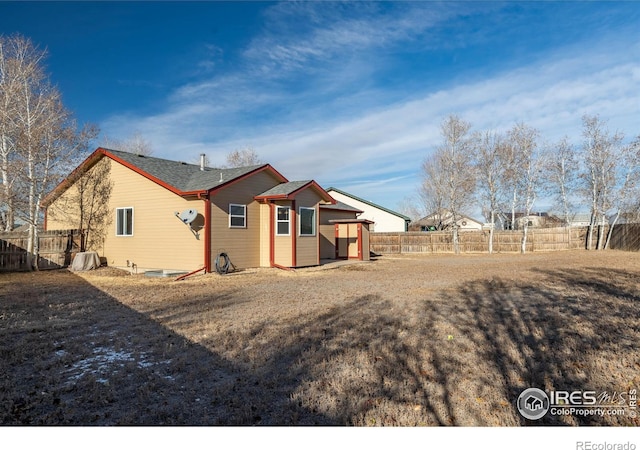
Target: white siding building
385, 220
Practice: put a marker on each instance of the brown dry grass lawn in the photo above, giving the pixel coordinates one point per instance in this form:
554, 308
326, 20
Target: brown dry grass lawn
422, 340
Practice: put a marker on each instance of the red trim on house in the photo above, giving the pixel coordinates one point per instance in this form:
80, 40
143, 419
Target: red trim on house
318, 231
290, 196
73, 176
337, 237
354, 211
359, 228
233, 181
207, 234
323, 194
360, 242
182, 277
150, 177
294, 233
100, 152
272, 237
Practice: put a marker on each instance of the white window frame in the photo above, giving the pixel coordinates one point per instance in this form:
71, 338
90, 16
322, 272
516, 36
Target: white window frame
288, 221
313, 223
127, 233
243, 215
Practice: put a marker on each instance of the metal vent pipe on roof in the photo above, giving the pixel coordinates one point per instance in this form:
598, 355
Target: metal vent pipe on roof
203, 158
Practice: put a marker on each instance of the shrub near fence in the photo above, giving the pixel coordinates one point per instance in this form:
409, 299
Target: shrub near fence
57, 248
538, 239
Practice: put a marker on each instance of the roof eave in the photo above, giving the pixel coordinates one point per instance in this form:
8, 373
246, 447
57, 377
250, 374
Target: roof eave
66, 183
232, 181
367, 202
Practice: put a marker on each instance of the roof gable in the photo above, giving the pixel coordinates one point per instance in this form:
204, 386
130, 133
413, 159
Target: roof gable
178, 177
288, 190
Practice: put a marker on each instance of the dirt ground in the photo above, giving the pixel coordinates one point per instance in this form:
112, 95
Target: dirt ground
401, 341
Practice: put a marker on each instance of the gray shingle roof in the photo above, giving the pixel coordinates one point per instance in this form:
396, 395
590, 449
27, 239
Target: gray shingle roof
340, 207
284, 188
182, 176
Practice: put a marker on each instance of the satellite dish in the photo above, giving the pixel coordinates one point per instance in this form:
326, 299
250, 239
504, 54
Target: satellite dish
188, 215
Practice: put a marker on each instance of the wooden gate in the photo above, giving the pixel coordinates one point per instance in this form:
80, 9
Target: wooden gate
352, 239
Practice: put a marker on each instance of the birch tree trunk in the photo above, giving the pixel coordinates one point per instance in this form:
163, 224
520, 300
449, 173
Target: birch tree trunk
42, 134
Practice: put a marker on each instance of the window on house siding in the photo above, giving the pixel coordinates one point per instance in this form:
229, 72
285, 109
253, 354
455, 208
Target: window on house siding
307, 221
237, 216
282, 221
124, 221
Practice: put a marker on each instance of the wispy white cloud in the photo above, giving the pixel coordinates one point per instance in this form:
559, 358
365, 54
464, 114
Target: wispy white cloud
339, 127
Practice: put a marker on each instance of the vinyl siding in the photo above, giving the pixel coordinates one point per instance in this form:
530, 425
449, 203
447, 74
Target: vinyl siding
384, 221
328, 231
242, 245
307, 246
159, 240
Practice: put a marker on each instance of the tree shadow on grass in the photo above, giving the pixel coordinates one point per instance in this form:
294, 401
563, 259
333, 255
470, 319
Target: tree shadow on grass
459, 357
574, 330
72, 355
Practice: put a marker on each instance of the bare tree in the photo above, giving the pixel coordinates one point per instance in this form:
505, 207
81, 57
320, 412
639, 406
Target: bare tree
512, 164
43, 137
526, 173
135, 144
626, 191
19, 60
600, 153
450, 171
410, 207
562, 168
432, 191
242, 158
489, 165
87, 205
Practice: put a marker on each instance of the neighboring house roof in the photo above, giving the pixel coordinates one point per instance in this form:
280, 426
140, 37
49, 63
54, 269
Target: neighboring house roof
339, 206
408, 219
288, 190
581, 217
432, 219
179, 177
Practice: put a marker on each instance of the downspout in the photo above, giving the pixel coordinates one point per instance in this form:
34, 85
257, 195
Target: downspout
272, 218
207, 232
294, 250
360, 243
182, 277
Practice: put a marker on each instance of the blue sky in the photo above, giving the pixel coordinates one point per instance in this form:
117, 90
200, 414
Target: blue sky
350, 94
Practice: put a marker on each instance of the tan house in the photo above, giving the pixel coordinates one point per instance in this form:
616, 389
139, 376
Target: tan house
172, 215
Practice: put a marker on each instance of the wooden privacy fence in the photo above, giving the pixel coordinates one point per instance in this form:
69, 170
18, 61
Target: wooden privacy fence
626, 237
538, 239
57, 248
